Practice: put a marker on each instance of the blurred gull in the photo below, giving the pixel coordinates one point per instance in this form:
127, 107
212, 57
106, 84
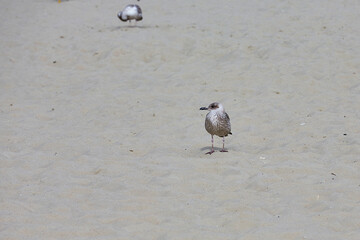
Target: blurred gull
130, 12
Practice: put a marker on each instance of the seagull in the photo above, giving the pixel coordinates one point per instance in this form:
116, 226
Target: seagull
130, 12
217, 122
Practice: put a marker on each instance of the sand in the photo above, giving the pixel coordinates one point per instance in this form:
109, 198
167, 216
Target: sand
101, 136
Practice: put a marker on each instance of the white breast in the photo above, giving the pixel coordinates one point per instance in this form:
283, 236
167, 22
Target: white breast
130, 12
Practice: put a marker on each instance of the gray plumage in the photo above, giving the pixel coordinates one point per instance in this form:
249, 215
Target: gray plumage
217, 122
130, 12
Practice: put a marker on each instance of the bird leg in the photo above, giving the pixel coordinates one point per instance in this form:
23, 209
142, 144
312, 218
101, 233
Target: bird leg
212, 145
223, 150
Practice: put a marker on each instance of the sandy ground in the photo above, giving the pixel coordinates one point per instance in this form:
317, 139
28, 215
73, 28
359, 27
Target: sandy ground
101, 136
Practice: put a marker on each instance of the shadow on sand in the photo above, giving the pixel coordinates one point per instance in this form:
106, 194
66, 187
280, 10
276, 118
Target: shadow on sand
130, 27
208, 149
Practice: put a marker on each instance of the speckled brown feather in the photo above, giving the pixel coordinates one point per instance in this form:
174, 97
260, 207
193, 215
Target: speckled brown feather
218, 124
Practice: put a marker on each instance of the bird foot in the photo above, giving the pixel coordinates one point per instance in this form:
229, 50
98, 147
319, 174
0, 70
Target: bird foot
223, 150
210, 152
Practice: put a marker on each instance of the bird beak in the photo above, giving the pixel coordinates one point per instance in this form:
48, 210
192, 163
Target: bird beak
203, 108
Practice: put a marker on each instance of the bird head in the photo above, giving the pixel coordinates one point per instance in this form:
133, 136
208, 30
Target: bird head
215, 106
120, 16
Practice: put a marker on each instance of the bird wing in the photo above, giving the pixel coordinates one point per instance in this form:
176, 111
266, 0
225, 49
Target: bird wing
227, 116
138, 9
228, 119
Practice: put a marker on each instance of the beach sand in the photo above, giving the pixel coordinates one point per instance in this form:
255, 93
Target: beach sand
101, 136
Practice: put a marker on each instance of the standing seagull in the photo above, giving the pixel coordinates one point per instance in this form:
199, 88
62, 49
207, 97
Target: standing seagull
130, 12
217, 122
